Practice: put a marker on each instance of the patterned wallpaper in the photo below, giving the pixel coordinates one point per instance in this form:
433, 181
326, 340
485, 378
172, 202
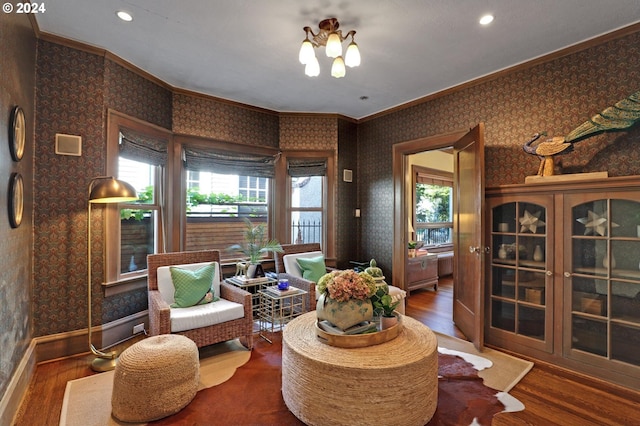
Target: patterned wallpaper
131, 94
200, 116
70, 100
302, 131
74, 91
17, 86
347, 225
556, 96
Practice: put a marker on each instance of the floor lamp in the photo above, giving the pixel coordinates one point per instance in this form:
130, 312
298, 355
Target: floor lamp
103, 190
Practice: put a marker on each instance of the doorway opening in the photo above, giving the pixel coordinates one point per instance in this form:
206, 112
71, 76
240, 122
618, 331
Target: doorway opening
468, 190
404, 154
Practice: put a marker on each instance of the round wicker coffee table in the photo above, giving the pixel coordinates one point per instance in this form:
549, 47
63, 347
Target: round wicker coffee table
393, 383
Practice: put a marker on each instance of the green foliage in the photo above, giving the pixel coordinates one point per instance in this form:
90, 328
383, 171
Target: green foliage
256, 242
136, 214
195, 198
144, 197
412, 244
386, 305
433, 203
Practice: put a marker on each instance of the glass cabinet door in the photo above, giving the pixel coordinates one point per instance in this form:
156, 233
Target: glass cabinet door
519, 276
603, 281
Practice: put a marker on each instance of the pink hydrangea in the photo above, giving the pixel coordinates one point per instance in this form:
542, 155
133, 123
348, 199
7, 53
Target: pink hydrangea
345, 285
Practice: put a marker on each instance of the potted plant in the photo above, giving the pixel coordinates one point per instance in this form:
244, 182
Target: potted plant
256, 244
387, 306
411, 245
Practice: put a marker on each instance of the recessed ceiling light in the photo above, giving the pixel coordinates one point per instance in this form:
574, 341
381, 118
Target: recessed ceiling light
486, 20
125, 16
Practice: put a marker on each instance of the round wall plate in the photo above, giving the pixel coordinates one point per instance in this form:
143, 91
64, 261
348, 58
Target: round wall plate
17, 133
16, 200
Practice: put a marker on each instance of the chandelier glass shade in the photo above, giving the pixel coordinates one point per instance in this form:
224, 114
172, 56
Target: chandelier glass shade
331, 38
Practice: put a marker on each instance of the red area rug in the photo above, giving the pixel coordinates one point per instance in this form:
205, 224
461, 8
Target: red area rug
253, 397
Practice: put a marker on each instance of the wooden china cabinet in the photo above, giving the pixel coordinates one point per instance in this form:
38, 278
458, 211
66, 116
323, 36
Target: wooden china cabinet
563, 274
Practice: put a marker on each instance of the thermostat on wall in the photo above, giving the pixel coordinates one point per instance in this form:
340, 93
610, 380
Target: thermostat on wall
68, 145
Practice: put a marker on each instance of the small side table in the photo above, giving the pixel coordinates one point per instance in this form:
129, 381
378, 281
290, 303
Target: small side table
253, 287
277, 308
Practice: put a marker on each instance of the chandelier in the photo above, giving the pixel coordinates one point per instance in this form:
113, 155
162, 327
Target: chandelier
331, 37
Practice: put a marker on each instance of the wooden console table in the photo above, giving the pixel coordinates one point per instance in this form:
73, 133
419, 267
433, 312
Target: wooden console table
391, 383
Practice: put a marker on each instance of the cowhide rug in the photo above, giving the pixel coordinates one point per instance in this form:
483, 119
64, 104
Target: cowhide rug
253, 397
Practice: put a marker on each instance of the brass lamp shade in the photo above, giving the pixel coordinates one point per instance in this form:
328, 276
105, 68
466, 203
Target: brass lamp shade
111, 190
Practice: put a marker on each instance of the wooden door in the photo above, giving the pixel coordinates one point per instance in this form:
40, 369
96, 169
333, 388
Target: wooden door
469, 246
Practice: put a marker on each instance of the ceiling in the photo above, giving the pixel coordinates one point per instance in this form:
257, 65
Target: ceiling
247, 50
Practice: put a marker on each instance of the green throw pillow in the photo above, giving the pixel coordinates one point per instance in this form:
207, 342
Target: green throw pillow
313, 268
193, 287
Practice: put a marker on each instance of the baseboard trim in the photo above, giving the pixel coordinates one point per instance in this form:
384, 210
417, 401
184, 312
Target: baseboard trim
18, 386
61, 345
75, 342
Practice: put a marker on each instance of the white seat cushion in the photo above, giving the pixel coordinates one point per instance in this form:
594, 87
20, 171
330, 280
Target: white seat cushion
205, 315
200, 315
165, 285
291, 266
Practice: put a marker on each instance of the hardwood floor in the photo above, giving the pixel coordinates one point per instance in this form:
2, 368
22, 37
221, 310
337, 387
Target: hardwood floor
551, 396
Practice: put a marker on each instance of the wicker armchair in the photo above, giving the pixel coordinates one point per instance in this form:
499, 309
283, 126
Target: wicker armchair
396, 293
298, 282
160, 312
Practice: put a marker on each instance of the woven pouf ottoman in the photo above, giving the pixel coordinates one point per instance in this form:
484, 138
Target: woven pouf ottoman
155, 378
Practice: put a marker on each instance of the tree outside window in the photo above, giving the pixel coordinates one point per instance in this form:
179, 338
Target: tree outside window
433, 210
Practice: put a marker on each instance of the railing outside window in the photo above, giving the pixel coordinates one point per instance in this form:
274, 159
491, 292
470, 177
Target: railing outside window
434, 236
305, 232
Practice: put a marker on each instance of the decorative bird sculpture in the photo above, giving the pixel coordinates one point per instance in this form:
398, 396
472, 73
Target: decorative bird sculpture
546, 150
621, 116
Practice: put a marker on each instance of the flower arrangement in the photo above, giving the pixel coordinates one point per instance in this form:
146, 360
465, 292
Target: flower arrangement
345, 285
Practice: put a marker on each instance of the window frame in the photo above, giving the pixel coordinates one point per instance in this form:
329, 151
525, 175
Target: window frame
438, 175
111, 212
179, 180
329, 189
157, 225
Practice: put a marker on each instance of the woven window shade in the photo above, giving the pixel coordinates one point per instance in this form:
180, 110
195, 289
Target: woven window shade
227, 162
143, 148
432, 180
299, 167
